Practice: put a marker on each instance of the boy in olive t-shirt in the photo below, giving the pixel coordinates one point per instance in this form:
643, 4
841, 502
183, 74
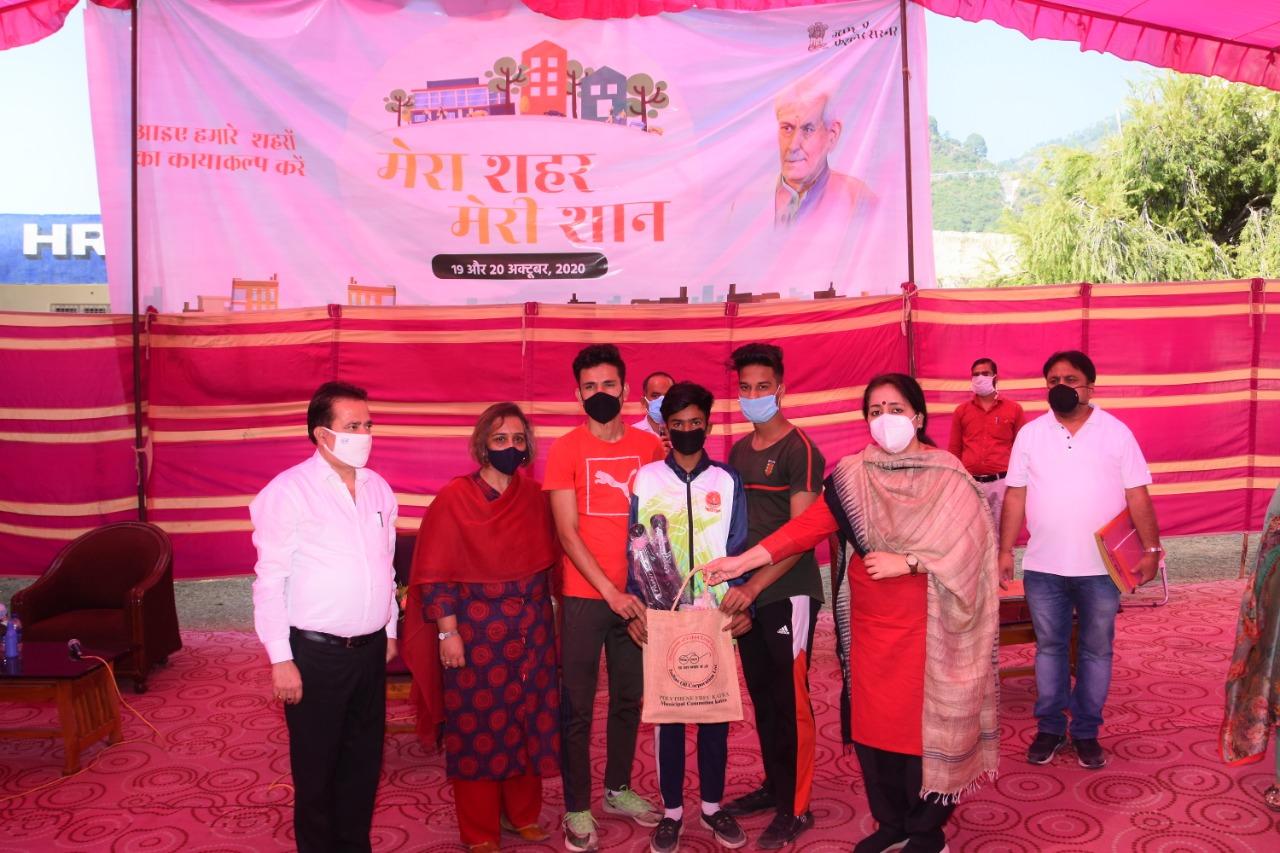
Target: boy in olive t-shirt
781, 471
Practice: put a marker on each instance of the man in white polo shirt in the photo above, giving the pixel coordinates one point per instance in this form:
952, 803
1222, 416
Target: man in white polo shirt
1070, 472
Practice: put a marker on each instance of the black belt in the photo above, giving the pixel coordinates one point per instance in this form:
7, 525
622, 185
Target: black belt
335, 640
991, 478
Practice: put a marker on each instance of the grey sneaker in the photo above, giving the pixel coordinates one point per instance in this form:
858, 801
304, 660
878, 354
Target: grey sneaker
1045, 747
1090, 753
580, 832
630, 804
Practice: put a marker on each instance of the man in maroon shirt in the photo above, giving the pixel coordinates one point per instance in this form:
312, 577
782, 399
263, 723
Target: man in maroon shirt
982, 432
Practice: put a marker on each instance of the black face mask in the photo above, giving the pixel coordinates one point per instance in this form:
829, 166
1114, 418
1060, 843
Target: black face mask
687, 442
602, 407
1063, 399
508, 459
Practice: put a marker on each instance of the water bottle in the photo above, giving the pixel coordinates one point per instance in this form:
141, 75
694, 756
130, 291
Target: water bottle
655, 584
13, 639
661, 540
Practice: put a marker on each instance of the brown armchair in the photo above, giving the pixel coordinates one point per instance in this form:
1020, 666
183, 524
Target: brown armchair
111, 587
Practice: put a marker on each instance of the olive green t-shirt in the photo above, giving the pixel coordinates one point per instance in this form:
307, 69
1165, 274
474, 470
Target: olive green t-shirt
770, 477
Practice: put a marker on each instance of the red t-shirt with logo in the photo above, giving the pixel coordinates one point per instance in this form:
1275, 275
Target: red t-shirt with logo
601, 473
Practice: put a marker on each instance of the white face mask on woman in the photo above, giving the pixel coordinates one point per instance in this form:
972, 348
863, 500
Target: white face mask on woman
893, 432
351, 448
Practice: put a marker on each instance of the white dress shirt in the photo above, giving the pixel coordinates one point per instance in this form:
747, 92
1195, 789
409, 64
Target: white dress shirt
1075, 485
324, 560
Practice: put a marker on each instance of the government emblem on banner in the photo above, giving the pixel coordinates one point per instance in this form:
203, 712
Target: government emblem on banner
817, 35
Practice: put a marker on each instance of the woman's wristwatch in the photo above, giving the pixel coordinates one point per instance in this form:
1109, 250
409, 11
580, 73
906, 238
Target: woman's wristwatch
444, 635
913, 563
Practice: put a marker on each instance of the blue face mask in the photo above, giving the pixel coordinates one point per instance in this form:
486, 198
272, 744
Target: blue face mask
759, 409
655, 410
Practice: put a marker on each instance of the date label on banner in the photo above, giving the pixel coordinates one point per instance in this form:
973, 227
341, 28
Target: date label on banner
524, 266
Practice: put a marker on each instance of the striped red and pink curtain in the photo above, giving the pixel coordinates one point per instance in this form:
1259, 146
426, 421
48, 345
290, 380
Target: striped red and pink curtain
1190, 367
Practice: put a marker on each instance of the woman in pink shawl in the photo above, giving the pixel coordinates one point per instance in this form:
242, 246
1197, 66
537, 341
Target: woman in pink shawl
918, 636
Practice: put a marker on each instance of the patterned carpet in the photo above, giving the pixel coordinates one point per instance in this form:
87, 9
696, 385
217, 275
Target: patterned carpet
216, 778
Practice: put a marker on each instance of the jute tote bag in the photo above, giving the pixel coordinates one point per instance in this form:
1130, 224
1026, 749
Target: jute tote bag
690, 670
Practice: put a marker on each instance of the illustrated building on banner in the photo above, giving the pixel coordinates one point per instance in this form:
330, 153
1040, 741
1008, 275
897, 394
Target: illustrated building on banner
370, 294
460, 98
604, 94
545, 93
246, 295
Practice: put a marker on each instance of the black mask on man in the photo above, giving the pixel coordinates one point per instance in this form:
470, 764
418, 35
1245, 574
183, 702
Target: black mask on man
1063, 399
602, 407
687, 441
508, 459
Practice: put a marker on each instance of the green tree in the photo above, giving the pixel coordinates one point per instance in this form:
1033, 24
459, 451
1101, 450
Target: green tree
645, 97
575, 72
1185, 191
504, 76
976, 145
396, 102
967, 195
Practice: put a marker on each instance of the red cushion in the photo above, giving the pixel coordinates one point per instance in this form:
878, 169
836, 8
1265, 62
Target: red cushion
88, 626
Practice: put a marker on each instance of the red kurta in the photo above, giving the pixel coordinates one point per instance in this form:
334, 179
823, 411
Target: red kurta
887, 625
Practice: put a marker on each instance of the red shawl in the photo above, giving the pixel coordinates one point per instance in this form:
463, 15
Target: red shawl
467, 538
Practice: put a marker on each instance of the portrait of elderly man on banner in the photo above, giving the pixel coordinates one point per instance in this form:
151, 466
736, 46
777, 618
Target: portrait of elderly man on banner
809, 192
821, 198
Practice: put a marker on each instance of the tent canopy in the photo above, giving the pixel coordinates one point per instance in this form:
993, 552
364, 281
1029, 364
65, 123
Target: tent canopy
1234, 39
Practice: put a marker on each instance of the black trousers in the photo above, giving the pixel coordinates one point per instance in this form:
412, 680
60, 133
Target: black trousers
335, 743
589, 626
893, 784
713, 759
775, 663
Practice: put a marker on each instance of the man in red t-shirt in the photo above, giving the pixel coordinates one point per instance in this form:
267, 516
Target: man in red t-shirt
590, 472
982, 432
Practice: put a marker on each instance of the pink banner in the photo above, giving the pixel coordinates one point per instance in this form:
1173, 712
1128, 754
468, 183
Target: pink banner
304, 153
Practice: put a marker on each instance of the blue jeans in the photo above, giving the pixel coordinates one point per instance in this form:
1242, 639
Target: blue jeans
1051, 600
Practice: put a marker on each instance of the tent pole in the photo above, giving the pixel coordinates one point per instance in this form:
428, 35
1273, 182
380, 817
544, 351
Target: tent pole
911, 231
139, 446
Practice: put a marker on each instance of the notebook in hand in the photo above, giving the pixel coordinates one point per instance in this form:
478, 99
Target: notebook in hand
1121, 551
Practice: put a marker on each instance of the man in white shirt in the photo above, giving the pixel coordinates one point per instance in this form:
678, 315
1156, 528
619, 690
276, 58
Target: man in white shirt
1071, 471
325, 609
655, 388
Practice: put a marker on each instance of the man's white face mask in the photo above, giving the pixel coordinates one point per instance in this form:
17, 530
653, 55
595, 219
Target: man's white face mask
351, 448
983, 385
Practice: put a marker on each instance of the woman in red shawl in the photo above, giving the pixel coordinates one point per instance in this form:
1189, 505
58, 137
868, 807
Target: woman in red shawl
481, 574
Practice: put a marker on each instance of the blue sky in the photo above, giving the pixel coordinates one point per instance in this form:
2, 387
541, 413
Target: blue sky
982, 79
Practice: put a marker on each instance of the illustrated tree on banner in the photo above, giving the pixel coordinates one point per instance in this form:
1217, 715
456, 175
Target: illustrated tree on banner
575, 72
646, 97
505, 75
396, 103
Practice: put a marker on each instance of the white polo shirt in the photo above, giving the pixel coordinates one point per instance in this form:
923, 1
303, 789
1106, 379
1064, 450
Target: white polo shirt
644, 426
1075, 485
